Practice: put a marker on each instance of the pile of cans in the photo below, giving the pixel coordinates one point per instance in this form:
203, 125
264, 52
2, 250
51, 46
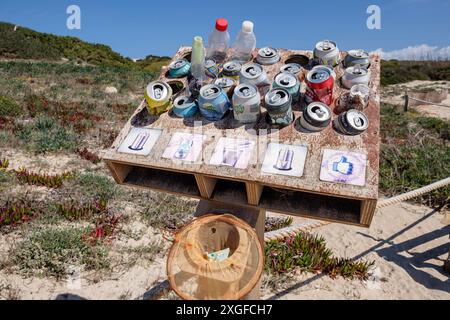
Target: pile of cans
244, 88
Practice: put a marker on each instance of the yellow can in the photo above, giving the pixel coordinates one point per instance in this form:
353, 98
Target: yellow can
158, 95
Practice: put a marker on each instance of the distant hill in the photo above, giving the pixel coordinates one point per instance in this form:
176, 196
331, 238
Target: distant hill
24, 43
394, 71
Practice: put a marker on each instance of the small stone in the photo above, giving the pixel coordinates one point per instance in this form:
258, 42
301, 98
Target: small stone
111, 90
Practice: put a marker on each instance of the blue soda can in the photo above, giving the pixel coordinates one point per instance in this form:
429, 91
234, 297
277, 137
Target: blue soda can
211, 69
184, 107
213, 102
179, 68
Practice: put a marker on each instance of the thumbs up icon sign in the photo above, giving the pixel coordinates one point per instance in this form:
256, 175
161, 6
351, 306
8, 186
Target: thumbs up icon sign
343, 166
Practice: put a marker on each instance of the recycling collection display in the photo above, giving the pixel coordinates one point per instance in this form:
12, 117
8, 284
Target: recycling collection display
220, 82
288, 131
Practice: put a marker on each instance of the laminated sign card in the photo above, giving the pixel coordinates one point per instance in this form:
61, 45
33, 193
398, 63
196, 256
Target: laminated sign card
343, 167
140, 141
284, 159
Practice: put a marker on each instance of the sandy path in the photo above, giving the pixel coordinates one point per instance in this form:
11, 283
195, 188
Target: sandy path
408, 244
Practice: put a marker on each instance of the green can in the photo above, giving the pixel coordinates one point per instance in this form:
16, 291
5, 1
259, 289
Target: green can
288, 81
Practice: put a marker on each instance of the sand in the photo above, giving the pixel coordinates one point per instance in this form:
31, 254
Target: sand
393, 94
407, 242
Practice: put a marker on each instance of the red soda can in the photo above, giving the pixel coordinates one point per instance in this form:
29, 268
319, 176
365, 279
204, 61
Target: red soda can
319, 86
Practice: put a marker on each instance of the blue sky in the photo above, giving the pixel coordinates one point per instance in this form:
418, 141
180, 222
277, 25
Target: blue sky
136, 28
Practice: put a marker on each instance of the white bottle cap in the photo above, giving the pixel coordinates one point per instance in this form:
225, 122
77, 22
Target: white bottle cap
247, 26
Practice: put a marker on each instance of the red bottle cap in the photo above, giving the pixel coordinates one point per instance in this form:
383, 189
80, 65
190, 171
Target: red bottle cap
222, 24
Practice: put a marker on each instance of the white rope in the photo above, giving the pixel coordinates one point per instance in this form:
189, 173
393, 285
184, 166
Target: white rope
413, 194
429, 102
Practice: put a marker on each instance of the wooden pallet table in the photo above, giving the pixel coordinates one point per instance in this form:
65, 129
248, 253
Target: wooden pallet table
305, 196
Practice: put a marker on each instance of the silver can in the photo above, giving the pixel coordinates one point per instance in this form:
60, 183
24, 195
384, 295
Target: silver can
355, 75
316, 117
359, 96
293, 68
278, 103
231, 69
227, 84
253, 73
327, 69
290, 82
327, 53
357, 57
246, 103
351, 122
268, 56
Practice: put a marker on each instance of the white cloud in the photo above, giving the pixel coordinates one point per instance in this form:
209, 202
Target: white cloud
421, 52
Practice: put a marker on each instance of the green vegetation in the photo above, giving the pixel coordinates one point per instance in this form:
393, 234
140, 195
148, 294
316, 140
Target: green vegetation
52, 252
415, 152
168, 212
29, 44
394, 71
9, 108
308, 253
46, 135
274, 223
97, 187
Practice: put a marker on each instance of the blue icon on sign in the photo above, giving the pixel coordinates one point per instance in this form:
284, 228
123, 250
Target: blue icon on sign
343, 166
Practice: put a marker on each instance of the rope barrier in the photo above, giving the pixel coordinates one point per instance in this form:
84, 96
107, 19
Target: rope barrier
413, 194
429, 102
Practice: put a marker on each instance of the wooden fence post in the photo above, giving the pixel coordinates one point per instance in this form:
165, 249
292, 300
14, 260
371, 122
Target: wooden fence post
405, 107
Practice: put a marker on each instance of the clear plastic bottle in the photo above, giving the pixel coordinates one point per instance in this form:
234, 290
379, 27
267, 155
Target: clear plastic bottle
218, 41
245, 43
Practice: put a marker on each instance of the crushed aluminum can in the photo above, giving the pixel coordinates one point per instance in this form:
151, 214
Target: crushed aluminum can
213, 102
253, 73
289, 82
246, 103
227, 84
211, 68
355, 75
326, 52
158, 95
316, 117
184, 107
293, 68
319, 86
232, 69
357, 57
268, 56
179, 68
351, 122
278, 103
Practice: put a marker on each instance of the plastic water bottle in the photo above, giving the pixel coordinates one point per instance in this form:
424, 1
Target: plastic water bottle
245, 43
218, 41
198, 58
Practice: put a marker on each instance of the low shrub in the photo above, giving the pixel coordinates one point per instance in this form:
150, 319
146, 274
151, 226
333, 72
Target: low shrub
53, 251
9, 108
308, 253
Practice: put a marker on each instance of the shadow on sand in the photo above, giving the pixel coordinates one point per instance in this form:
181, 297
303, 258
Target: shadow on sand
393, 253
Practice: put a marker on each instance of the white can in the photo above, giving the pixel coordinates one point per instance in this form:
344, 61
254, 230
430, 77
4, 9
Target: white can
246, 103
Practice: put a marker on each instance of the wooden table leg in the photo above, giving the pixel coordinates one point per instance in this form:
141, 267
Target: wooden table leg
254, 217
